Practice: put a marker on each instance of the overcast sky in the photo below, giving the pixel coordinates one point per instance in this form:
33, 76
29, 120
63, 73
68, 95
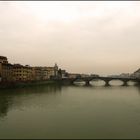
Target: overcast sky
86, 37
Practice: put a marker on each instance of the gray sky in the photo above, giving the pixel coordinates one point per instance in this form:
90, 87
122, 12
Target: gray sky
86, 37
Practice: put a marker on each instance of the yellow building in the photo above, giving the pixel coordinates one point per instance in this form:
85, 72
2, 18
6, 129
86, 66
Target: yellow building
44, 73
39, 73
18, 72
52, 71
22, 73
6, 73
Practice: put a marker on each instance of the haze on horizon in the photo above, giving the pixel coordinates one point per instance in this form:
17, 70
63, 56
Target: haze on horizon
82, 36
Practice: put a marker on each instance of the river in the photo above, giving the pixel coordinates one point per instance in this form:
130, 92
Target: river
76, 111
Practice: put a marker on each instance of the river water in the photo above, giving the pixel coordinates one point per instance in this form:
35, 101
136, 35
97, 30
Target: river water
77, 111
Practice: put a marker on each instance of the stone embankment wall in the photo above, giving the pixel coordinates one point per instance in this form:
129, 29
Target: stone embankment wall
4, 85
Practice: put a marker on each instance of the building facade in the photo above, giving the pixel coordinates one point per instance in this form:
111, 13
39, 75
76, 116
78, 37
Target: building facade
52, 71
6, 69
3, 59
73, 75
18, 72
45, 73
136, 74
22, 73
39, 73
6, 72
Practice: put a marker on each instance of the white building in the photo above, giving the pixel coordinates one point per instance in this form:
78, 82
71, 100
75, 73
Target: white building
125, 75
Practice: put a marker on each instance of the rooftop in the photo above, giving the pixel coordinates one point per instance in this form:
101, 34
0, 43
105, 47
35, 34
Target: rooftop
3, 57
138, 71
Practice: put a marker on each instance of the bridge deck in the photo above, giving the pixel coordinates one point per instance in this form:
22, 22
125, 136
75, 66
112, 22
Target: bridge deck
103, 78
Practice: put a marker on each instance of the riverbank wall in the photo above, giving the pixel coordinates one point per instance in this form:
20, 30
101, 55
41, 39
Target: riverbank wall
5, 85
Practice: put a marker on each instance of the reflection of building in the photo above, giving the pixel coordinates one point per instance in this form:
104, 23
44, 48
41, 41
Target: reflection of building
4, 105
136, 74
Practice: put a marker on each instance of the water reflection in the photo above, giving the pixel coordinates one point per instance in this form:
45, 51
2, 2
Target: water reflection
7, 96
100, 86
102, 83
4, 105
138, 88
97, 82
70, 111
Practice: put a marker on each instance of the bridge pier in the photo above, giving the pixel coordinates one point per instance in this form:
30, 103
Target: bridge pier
105, 79
125, 83
107, 82
87, 83
72, 82
137, 83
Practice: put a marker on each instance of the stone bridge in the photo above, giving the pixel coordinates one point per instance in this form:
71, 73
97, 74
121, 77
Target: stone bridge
105, 79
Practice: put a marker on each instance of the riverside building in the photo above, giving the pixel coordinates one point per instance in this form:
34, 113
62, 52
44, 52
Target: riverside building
45, 73
6, 68
3, 59
18, 72
22, 73
136, 74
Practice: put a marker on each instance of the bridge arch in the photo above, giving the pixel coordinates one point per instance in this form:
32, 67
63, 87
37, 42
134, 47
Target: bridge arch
78, 81
97, 82
107, 80
117, 82
132, 82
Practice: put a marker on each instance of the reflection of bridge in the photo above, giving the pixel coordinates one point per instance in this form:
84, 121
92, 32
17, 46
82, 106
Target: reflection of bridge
105, 79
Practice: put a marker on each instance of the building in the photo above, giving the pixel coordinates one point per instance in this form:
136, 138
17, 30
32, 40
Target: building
44, 73
73, 75
39, 73
52, 71
18, 72
22, 73
55, 70
6, 72
3, 59
6, 69
136, 74
124, 75
27, 73
63, 73
84, 75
